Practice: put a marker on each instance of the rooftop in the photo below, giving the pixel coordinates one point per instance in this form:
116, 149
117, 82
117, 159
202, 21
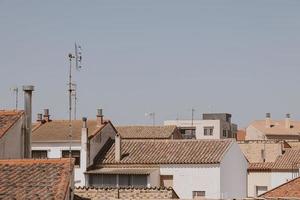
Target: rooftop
146, 132
7, 119
165, 152
34, 179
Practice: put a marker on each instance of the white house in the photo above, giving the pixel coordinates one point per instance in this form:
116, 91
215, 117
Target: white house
50, 139
194, 168
212, 126
15, 130
265, 176
267, 129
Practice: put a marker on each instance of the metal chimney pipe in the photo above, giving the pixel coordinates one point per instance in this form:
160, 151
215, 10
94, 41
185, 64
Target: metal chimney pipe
99, 117
288, 121
28, 116
268, 120
39, 117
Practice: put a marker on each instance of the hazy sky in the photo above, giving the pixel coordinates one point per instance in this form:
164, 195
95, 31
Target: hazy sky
241, 57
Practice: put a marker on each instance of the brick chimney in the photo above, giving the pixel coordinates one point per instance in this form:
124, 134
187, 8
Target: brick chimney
117, 148
99, 117
288, 121
28, 119
46, 115
268, 120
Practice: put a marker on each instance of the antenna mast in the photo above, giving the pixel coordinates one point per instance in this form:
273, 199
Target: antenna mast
193, 110
74, 94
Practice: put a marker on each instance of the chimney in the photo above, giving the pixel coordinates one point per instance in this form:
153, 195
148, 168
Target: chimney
28, 117
118, 148
84, 153
268, 120
39, 118
288, 121
99, 117
46, 115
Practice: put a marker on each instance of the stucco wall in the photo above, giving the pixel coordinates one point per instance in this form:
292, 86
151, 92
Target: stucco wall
278, 178
258, 179
11, 144
254, 134
234, 173
189, 178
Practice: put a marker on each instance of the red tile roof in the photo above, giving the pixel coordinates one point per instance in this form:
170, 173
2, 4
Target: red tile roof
288, 190
241, 135
34, 179
166, 152
7, 119
148, 132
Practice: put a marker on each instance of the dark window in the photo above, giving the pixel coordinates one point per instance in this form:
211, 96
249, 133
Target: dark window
124, 180
139, 180
75, 154
198, 194
208, 130
224, 133
39, 154
188, 132
110, 180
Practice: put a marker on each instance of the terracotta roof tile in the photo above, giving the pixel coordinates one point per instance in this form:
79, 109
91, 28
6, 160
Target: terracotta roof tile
288, 190
58, 130
146, 132
166, 152
34, 179
8, 119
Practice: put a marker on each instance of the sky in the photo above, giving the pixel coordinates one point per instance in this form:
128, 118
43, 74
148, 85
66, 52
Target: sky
167, 57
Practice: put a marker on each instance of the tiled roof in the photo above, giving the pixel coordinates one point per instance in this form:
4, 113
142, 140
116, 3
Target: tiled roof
240, 135
288, 161
7, 119
146, 132
58, 130
277, 127
166, 152
288, 190
34, 179
294, 144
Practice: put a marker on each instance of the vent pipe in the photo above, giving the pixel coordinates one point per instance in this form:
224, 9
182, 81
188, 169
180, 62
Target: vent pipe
39, 117
28, 117
99, 117
288, 120
268, 120
46, 115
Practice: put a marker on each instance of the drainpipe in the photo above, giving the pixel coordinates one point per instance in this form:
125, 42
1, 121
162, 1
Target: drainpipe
28, 119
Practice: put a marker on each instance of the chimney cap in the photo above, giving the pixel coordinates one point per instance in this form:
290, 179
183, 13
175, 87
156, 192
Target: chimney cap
268, 115
28, 87
100, 112
288, 115
84, 119
46, 112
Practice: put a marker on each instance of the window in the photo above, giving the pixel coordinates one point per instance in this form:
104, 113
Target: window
197, 194
75, 154
111, 180
188, 132
208, 130
124, 180
224, 133
139, 180
261, 189
39, 154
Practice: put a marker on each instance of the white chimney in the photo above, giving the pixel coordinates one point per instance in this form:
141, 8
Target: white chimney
118, 148
28, 116
268, 120
99, 117
288, 121
84, 153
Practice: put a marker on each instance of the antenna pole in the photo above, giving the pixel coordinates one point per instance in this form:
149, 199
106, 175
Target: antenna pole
193, 110
70, 110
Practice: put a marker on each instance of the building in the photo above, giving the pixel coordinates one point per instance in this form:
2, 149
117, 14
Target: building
132, 193
241, 135
193, 168
149, 132
263, 150
265, 176
212, 126
288, 190
15, 130
50, 139
36, 179
267, 129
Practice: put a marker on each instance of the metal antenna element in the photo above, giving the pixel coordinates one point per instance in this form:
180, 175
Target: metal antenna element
16, 91
78, 58
151, 115
193, 111
74, 94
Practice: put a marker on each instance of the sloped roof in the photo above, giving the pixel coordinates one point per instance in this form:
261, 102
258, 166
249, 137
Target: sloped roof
7, 119
146, 132
166, 152
58, 130
34, 179
290, 189
288, 161
277, 127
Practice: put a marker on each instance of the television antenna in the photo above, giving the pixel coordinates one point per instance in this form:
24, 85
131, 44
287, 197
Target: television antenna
74, 94
77, 55
152, 116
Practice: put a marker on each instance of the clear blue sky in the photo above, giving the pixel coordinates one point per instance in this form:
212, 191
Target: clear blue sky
241, 57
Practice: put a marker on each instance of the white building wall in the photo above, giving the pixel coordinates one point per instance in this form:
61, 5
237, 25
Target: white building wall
254, 134
189, 178
12, 143
258, 179
278, 178
234, 173
55, 151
